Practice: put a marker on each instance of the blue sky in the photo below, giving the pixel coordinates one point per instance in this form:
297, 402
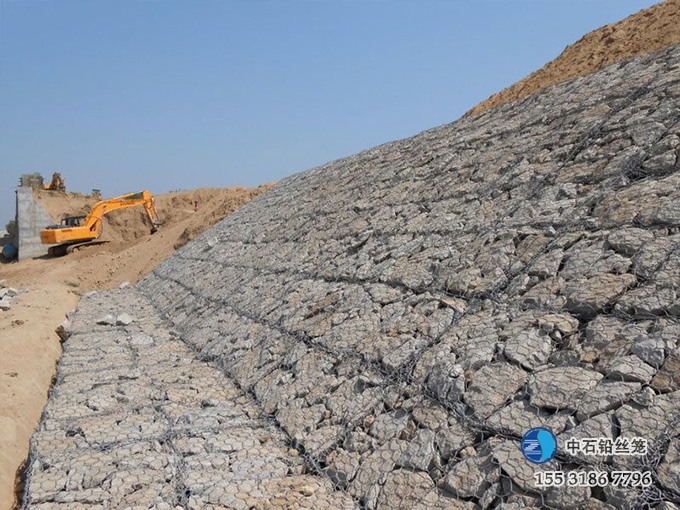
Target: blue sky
164, 95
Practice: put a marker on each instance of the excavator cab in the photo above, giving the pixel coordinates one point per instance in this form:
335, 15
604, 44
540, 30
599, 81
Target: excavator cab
72, 221
68, 222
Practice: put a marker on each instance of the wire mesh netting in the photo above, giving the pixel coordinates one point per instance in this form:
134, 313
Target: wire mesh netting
382, 331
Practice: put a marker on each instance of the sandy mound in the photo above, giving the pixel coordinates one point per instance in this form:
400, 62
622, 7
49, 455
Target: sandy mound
647, 31
132, 250
173, 209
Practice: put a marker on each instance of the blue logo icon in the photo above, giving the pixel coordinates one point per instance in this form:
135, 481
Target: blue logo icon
539, 445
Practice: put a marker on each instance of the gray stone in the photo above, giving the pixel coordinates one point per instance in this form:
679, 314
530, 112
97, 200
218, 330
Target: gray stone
566, 358
546, 265
582, 258
630, 368
472, 477
124, 320
5, 304
510, 459
669, 469
518, 417
562, 322
530, 349
568, 498
404, 353
647, 261
342, 467
378, 463
644, 397
588, 296
620, 497
141, 339
629, 240
561, 388
446, 381
650, 422
546, 294
491, 386
107, 320
490, 496
608, 338
661, 164
607, 395
420, 454
666, 505
650, 350
668, 378
389, 425
430, 415
408, 489
646, 301
451, 437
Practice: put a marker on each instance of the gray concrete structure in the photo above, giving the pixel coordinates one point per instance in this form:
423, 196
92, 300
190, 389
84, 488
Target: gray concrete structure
393, 322
31, 218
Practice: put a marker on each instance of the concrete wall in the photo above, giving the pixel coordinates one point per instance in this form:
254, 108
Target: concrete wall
31, 218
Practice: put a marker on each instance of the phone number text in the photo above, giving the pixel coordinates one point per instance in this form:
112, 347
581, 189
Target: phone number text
593, 478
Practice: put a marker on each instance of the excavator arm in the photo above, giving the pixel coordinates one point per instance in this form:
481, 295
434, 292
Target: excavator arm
100, 209
90, 227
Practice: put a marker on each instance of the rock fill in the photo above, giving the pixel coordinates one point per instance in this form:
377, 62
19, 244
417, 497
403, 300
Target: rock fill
393, 322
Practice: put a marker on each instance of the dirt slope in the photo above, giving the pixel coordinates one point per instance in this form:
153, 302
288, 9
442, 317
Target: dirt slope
173, 208
131, 251
648, 30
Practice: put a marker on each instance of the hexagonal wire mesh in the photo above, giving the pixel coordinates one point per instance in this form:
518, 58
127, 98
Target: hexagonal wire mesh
381, 331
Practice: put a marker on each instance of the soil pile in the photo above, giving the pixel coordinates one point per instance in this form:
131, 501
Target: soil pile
647, 31
132, 250
195, 210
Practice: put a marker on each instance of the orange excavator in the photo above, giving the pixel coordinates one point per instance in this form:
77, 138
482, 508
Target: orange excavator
57, 184
77, 231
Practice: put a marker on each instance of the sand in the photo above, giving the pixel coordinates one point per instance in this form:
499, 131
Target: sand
647, 31
29, 347
29, 350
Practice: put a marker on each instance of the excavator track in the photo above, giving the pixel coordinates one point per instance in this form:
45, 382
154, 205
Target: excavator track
64, 249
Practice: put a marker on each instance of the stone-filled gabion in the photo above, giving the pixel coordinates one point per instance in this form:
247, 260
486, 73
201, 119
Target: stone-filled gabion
393, 322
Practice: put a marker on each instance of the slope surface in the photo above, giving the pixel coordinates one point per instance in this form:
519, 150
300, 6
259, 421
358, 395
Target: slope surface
406, 314
647, 31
